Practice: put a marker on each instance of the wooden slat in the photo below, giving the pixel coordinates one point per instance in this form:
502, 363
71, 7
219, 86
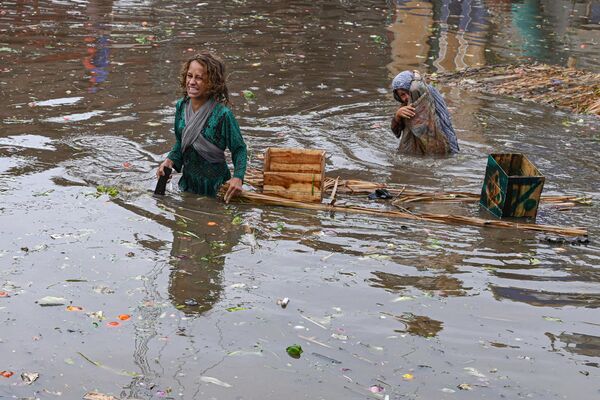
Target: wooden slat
286, 167
295, 174
277, 158
528, 169
295, 196
504, 161
295, 186
289, 180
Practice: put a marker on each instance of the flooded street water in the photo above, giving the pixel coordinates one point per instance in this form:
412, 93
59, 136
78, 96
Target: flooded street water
383, 308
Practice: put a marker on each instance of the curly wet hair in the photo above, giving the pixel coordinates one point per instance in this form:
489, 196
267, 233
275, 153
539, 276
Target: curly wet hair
215, 69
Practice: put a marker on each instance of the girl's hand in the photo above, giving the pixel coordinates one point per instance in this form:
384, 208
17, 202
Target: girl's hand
235, 186
161, 168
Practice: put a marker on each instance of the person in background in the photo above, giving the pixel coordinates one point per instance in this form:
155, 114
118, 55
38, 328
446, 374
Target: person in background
204, 128
422, 122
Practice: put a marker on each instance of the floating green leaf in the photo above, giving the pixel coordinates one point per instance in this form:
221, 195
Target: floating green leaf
552, 319
46, 193
377, 39
109, 190
191, 234
142, 40
237, 220
294, 351
233, 309
249, 94
435, 244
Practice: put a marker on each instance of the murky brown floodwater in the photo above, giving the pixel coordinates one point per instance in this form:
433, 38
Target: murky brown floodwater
88, 92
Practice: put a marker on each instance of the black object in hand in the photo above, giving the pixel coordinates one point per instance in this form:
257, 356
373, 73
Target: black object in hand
161, 185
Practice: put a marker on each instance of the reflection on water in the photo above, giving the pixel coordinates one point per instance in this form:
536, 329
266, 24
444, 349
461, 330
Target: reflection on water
451, 34
445, 35
420, 325
577, 343
441, 285
195, 283
541, 298
99, 13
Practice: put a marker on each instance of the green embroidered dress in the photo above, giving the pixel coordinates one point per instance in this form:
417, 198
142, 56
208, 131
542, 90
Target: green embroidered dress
221, 129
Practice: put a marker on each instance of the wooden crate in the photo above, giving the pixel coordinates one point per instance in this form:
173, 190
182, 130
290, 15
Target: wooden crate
512, 186
295, 174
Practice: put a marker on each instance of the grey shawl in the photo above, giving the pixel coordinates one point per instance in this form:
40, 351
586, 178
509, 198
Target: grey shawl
192, 133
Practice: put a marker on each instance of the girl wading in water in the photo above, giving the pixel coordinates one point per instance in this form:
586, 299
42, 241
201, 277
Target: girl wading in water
204, 128
422, 122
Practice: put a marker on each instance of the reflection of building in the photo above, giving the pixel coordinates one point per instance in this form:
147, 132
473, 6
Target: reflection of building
443, 285
409, 33
447, 34
98, 40
544, 30
460, 36
540, 298
577, 343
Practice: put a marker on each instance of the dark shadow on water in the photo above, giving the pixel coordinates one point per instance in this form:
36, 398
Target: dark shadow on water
577, 343
200, 246
442, 285
201, 242
419, 325
540, 298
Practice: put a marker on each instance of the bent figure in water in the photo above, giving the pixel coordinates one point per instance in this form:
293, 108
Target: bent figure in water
423, 121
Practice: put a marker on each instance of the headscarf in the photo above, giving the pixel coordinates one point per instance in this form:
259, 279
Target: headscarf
406, 80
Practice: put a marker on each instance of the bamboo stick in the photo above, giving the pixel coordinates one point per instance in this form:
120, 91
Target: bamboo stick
404, 195
438, 218
560, 87
333, 192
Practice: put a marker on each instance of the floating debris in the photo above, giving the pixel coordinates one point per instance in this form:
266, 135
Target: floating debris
214, 381
283, 302
294, 351
50, 301
29, 377
557, 86
98, 396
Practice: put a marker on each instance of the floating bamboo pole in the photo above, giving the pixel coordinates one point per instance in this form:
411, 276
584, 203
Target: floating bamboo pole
404, 195
438, 218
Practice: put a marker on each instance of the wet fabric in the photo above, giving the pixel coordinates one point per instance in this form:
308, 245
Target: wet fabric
199, 175
430, 131
192, 133
403, 80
